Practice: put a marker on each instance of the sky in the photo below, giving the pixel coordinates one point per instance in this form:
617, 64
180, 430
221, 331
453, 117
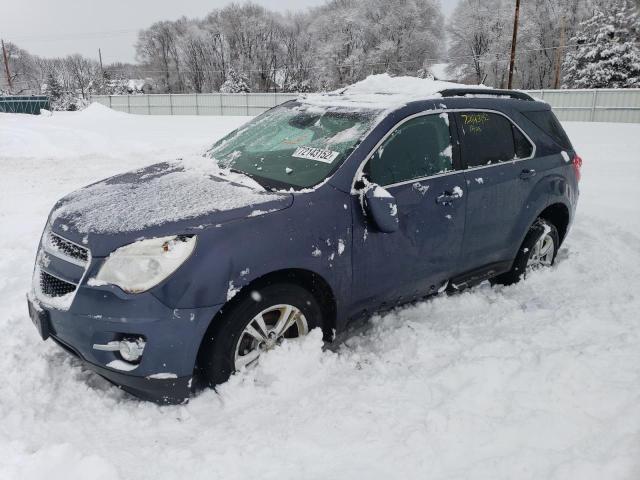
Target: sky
54, 28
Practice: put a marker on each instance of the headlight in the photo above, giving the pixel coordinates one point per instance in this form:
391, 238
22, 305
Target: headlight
142, 265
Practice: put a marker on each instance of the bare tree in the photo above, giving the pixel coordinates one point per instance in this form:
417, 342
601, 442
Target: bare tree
83, 71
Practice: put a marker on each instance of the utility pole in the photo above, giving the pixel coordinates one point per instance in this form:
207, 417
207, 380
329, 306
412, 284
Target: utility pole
514, 40
6, 66
559, 52
100, 57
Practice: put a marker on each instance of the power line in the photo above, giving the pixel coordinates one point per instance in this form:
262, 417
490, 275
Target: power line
72, 36
485, 57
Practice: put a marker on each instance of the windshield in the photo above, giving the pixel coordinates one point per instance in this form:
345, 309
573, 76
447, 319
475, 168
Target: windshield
293, 145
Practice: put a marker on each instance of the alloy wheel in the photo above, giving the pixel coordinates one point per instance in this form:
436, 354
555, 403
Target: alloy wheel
542, 252
266, 330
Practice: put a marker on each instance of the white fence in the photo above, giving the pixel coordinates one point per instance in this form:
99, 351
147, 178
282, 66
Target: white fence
597, 105
194, 103
603, 105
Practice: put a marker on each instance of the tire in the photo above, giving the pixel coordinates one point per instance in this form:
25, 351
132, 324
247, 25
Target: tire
227, 340
526, 259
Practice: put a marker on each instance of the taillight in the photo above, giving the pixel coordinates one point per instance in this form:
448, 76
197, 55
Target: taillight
577, 165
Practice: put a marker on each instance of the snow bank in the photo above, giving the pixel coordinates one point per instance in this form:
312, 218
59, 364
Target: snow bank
97, 111
99, 132
540, 380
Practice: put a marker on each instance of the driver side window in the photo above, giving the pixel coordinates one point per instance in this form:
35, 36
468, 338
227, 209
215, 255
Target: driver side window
420, 147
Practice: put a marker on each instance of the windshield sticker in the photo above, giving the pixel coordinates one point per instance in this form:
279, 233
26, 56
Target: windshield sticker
318, 154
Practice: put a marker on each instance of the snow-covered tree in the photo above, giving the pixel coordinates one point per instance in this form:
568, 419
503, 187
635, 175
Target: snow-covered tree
480, 36
297, 86
608, 54
53, 88
235, 83
480, 40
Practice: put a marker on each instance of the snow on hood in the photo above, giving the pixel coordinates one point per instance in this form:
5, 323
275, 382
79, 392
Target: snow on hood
158, 194
384, 91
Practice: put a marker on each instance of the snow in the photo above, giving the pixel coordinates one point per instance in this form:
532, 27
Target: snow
162, 376
120, 365
537, 380
439, 70
422, 189
379, 192
232, 291
174, 191
255, 296
118, 136
383, 91
257, 213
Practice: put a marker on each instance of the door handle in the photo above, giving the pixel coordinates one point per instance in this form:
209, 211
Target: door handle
526, 174
447, 198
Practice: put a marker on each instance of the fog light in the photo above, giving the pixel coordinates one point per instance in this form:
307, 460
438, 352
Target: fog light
131, 350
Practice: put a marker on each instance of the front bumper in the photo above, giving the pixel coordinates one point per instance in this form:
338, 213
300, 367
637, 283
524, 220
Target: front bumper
173, 337
166, 391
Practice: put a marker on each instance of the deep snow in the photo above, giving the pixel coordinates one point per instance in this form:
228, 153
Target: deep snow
539, 380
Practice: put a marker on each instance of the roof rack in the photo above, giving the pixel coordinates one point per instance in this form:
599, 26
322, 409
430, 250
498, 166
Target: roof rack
461, 92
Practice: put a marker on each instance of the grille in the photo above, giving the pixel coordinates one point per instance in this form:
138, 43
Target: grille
68, 248
53, 286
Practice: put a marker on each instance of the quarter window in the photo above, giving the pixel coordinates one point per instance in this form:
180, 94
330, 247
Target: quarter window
548, 122
420, 147
523, 147
488, 138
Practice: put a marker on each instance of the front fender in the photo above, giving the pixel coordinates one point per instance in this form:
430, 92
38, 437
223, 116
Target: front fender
314, 234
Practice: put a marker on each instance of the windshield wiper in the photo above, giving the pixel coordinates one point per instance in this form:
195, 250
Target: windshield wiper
259, 180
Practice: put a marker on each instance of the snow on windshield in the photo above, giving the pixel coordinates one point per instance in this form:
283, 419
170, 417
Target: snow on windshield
294, 145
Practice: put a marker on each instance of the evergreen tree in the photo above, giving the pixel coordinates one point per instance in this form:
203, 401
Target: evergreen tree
608, 54
235, 83
53, 88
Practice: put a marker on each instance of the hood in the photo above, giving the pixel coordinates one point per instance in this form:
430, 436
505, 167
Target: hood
162, 199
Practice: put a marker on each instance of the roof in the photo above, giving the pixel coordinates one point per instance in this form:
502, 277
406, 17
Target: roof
384, 92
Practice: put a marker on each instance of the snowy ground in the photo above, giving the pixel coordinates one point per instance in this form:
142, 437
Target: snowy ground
536, 381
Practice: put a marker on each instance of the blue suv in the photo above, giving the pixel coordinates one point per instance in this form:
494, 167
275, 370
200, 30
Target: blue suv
318, 212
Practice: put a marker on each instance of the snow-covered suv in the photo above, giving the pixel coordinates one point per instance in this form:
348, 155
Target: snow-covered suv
316, 212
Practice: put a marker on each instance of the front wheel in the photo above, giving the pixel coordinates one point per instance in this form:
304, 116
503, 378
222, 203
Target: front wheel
258, 322
538, 250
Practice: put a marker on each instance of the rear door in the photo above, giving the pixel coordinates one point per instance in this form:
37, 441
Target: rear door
418, 165
499, 175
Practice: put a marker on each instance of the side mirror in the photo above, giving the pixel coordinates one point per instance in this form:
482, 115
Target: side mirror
381, 207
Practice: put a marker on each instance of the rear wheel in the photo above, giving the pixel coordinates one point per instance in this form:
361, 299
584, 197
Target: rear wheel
538, 250
258, 322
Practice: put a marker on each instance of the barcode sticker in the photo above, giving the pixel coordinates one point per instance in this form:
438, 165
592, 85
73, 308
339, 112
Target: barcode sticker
318, 154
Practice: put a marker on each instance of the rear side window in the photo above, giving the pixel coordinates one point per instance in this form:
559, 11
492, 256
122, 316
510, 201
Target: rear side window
549, 124
420, 147
489, 138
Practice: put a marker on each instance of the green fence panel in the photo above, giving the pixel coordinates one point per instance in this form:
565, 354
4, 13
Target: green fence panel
24, 104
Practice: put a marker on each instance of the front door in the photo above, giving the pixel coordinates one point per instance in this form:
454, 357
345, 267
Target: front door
418, 166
